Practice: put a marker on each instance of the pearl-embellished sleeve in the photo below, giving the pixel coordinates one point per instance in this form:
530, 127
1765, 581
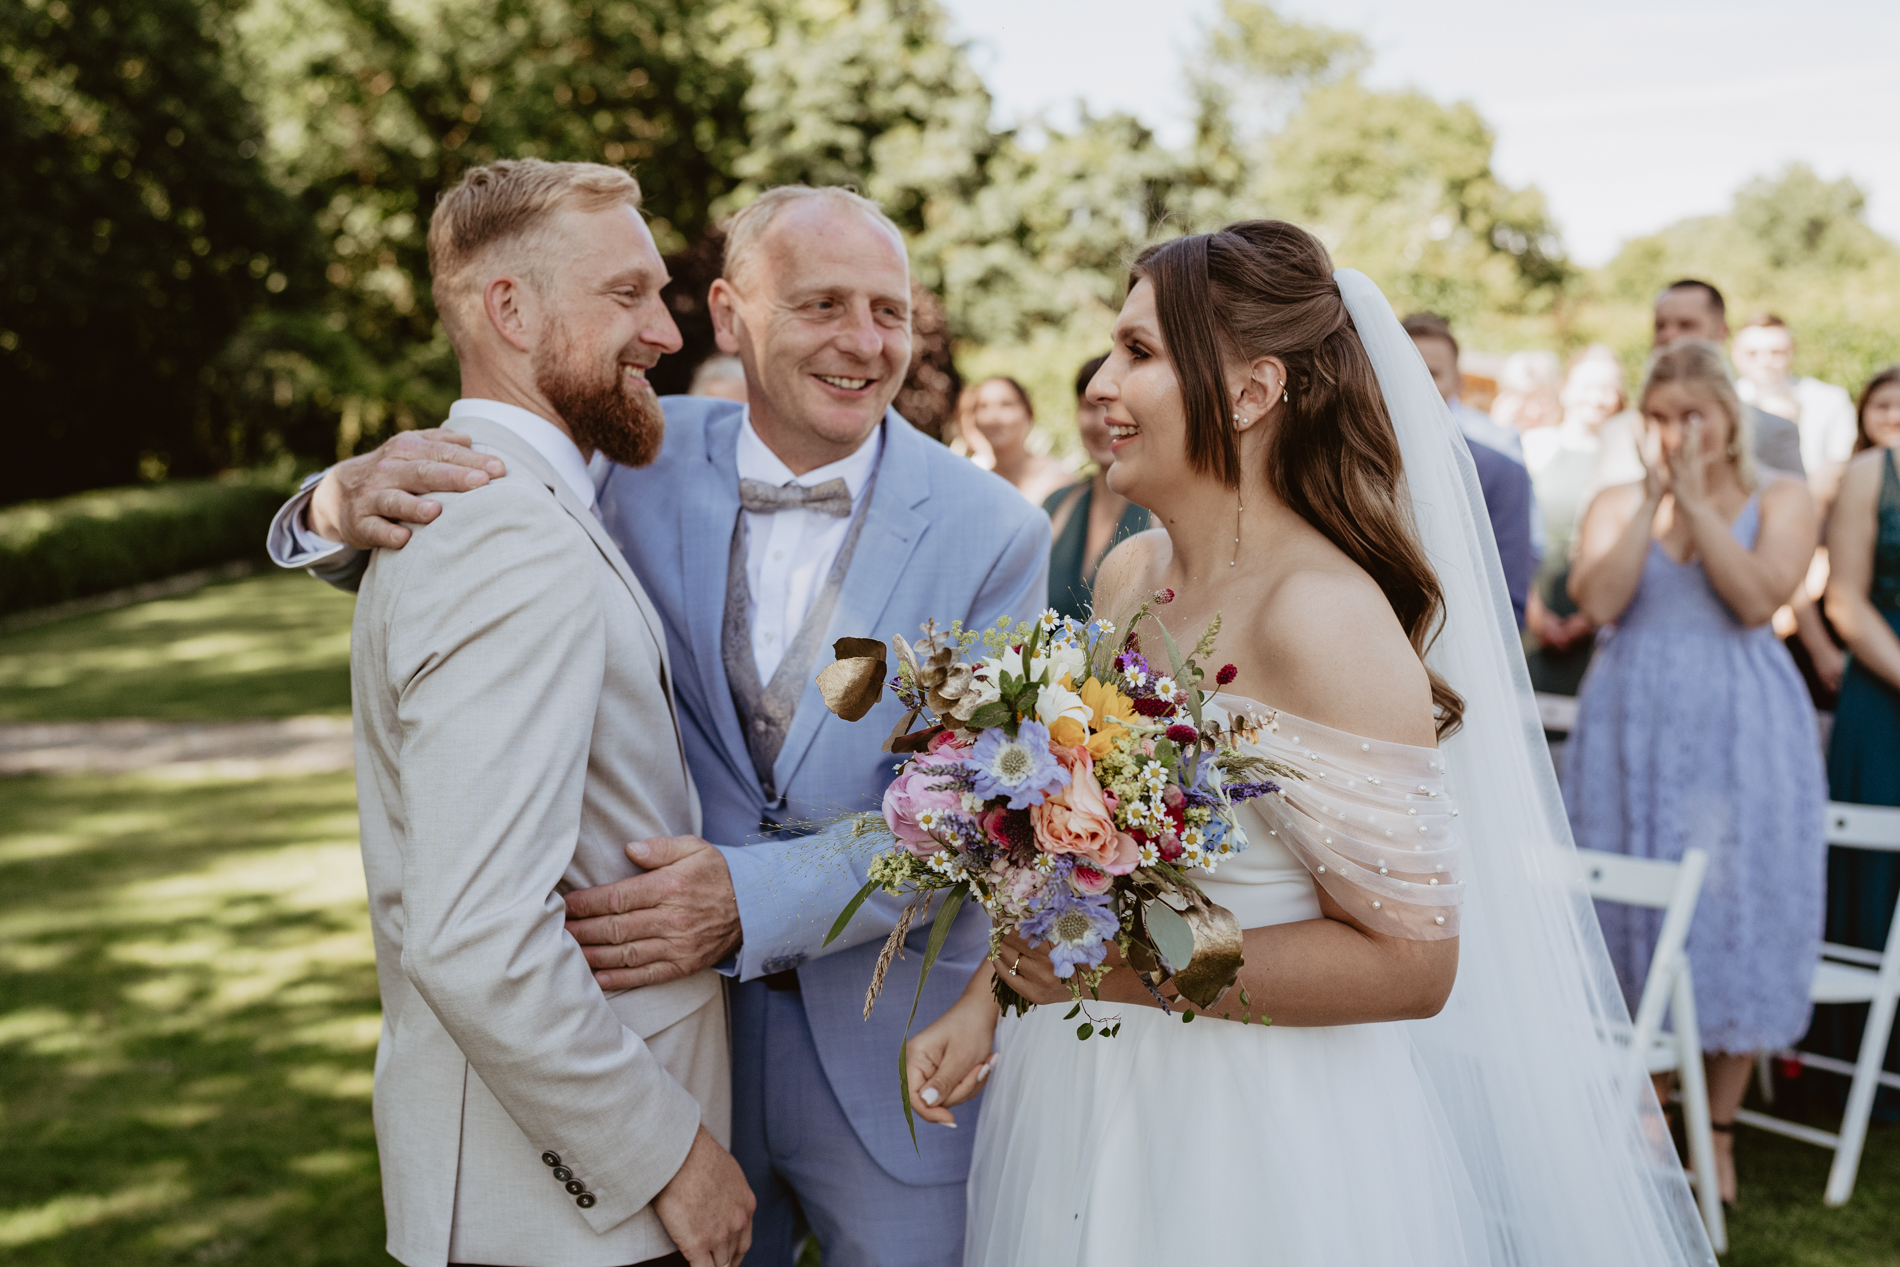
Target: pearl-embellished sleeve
1370, 820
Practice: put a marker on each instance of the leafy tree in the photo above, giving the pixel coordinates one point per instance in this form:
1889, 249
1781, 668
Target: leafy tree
378, 107
138, 232
1792, 243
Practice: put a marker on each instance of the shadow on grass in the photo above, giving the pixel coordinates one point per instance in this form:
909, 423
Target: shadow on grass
188, 1019
274, 645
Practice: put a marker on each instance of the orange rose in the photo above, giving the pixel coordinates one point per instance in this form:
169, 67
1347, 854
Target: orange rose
1076, 820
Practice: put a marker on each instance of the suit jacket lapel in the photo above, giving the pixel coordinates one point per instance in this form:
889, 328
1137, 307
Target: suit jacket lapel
520, 456
892, 530
708, 510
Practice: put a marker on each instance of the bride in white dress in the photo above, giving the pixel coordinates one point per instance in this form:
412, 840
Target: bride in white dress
1440, 1084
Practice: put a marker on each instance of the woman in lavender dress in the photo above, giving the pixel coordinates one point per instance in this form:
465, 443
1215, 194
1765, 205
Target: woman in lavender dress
1694, 728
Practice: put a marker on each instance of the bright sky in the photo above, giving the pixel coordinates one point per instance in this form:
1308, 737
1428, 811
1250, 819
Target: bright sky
1628, 114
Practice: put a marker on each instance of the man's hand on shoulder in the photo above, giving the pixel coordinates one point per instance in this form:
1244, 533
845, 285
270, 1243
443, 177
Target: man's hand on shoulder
707, 1206
678, 917
366, 501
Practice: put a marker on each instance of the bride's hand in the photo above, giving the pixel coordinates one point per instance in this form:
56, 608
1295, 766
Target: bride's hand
950, 1060
1028, 970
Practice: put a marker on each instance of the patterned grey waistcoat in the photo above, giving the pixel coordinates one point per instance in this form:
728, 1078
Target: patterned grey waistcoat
765, 712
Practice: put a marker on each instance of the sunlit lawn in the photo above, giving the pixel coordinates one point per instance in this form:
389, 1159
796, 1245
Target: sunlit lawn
188, 1020
273, 645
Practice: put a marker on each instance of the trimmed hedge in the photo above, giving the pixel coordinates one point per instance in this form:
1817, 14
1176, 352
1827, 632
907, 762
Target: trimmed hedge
90, 543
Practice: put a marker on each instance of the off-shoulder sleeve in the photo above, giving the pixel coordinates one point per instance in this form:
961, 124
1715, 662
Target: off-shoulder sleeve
1371, 821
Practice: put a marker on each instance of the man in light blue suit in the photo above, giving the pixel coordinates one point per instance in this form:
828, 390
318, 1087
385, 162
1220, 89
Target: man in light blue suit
762, 534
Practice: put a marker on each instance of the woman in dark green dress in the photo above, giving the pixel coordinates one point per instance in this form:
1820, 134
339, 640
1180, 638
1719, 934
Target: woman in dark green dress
1863, 754
1087, 520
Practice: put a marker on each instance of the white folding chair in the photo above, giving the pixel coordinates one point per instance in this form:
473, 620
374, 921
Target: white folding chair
1848, 974
1672, 888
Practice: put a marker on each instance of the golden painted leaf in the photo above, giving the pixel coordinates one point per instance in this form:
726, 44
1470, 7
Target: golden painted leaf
853, 683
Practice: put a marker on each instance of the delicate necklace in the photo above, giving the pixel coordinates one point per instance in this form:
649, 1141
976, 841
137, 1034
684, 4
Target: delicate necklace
1237, 509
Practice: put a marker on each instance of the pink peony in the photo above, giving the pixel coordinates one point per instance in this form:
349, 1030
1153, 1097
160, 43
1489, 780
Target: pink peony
1089, 879
1076, 820
914, 793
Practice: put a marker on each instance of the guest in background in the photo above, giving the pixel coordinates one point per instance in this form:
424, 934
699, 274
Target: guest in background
962, 436
1088, 519
1695, 310
1528, 390
1000, 412
1563, 466
1505, 482
1863, 601
1693, 728
721, 376
1822, 412
1432, 334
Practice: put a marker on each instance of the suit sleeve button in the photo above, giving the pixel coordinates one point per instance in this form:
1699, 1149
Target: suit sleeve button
550, 1159
576, 1188
585, 1200
562, 1173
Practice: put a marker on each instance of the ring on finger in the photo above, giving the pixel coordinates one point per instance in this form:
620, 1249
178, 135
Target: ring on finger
1016, 965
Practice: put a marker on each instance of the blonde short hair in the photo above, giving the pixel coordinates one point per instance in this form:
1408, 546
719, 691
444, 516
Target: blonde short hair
1696, 364
508, 205
746, 227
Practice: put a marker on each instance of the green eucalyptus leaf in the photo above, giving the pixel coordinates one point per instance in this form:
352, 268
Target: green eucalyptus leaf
1172, 937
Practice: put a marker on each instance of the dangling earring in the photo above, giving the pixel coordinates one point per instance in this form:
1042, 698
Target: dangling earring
1734, 446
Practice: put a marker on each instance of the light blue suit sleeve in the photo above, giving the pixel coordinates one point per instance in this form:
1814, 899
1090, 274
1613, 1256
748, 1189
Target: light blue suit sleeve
791, 892
292, 545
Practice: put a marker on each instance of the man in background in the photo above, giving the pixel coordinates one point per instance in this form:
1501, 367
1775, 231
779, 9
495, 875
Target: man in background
1501, 474
1824, 413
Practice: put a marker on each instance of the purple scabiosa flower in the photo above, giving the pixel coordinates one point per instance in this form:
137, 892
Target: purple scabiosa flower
1078, 928
1021, 769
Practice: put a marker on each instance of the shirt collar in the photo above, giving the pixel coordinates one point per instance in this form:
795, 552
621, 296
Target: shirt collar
756, 462
542, 436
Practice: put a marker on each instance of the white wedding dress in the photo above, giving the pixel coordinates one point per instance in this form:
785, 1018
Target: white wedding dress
1513, 1129
1214, 1142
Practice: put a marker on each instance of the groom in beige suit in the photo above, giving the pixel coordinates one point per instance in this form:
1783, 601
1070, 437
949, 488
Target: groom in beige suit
514, 729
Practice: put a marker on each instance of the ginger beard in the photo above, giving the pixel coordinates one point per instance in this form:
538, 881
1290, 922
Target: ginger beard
605, 408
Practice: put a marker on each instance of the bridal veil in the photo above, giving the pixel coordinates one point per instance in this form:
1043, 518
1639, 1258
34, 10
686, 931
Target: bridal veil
1570, 1162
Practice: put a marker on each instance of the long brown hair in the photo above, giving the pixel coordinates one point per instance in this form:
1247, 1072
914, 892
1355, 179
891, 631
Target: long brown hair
1265, 288
1862, 440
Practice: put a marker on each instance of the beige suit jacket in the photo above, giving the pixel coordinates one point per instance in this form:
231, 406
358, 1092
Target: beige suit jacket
514, 729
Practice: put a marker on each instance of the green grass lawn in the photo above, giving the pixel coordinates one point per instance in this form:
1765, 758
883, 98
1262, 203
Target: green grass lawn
1780, 1221
188, 1020
272, 645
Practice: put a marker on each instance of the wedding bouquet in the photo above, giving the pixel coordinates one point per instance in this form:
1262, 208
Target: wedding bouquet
1067, 784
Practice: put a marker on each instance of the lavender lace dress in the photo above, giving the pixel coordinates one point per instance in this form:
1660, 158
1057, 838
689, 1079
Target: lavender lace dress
1695, 732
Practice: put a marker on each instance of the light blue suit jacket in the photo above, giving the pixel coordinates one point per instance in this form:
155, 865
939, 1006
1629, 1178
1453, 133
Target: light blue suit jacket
942, 540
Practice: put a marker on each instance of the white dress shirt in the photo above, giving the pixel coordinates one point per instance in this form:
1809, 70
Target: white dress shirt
293, 545
789, 554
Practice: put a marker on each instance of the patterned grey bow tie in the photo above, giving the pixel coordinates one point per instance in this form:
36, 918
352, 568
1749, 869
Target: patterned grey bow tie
833, 497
